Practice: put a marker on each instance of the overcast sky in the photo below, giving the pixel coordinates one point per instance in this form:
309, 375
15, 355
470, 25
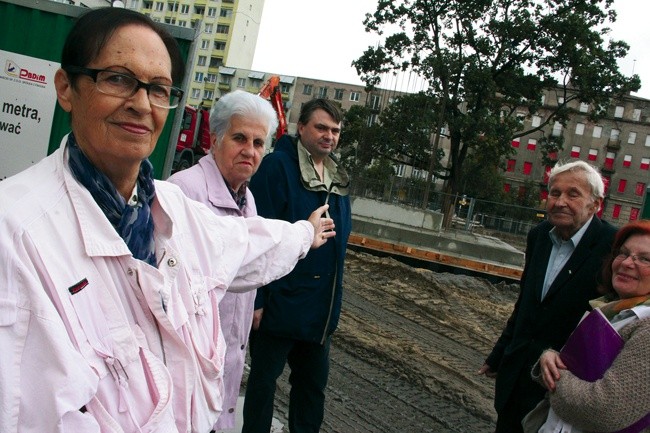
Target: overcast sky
320, 39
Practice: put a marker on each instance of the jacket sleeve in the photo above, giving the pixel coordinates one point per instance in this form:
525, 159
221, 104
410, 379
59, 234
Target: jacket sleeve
495, 357
620, 398
44, 381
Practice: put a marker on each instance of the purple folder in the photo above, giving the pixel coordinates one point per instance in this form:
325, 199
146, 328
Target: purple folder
591, 349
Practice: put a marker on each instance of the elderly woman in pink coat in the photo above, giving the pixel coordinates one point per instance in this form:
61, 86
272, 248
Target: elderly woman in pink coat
110, 280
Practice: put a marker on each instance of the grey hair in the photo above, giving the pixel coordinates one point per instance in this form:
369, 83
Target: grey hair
592, 176
241, 103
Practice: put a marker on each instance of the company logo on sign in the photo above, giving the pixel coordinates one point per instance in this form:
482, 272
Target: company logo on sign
13, 70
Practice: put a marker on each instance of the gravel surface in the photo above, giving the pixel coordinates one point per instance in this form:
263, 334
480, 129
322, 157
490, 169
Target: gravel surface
405, 356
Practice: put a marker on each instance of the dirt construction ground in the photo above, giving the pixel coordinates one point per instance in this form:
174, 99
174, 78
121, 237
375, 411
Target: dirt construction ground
405, 356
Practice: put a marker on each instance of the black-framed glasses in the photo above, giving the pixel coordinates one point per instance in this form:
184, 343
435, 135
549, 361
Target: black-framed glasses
124, 86
640, 260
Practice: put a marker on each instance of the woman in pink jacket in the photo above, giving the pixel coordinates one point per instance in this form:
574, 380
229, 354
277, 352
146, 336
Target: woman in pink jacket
240, 125
110, 281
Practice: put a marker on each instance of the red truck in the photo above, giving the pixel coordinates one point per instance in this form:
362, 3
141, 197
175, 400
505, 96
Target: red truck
194, 138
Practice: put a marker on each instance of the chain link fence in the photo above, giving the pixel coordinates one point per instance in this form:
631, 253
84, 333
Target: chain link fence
504, 221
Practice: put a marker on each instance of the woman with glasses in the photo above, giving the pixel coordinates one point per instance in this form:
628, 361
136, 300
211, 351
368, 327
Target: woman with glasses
620, 401
110, 281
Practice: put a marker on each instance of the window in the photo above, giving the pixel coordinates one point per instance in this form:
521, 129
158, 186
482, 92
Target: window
400, 170
607, 181
532, 144
636, 114
627, 160
634, 213
219, 45
202, 61
208, 28
547, 172
196, 93
528, 167
542, 99
543, 195
159, 6
215, 62
521, 192
511, 165
580, 128
285, 87
647, 140
241, 82
223, 29
618, 111
185, 9
306, 89
338, 94
322, 92
557, 129
212, 12
622, 183
584, 107
199, 10
375, 102
506, 187
598, 131
631, 139
560, 100
609, 160
536, 121
515, 142
205, 44
225, 13
614, 134
208, 94
198, 77
212, 78
575, 152
645, 163
354, 96
616, 212
372, 119
182, 23
593, 154
639, 189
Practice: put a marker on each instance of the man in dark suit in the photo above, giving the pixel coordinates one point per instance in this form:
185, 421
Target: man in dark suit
564, 256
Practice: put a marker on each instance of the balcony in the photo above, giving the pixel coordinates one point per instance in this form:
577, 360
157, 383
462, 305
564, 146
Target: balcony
607, 169
225, 87
614, 144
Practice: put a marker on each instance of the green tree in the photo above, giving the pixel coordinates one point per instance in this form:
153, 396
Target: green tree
487, 61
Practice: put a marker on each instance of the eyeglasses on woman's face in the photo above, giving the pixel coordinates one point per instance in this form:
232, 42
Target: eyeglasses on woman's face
122, 85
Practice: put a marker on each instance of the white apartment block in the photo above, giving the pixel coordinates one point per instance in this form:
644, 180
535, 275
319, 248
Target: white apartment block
226, 31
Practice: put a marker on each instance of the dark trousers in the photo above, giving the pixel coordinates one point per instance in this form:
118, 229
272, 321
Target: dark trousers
523, 398
309, 364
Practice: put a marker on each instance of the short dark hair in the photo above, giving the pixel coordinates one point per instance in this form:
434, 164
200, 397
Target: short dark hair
638, 227
93, 29
320, 104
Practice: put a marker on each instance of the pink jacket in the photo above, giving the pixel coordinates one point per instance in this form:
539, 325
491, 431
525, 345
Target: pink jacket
204, 183
94, 340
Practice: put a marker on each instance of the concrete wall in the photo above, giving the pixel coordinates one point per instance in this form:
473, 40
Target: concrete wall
396, 214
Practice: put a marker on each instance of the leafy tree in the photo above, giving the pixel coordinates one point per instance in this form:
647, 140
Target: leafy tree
405, 129
355, 143
486, 61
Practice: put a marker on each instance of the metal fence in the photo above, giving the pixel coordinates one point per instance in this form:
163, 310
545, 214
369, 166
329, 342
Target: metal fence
505, 221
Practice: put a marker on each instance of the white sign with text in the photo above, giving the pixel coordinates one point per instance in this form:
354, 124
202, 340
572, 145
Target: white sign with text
27, 102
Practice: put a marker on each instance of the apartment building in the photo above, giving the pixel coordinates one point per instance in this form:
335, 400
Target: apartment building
618, 144
226, 32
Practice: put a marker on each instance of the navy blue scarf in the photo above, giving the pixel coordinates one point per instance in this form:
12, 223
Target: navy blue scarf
134, 224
